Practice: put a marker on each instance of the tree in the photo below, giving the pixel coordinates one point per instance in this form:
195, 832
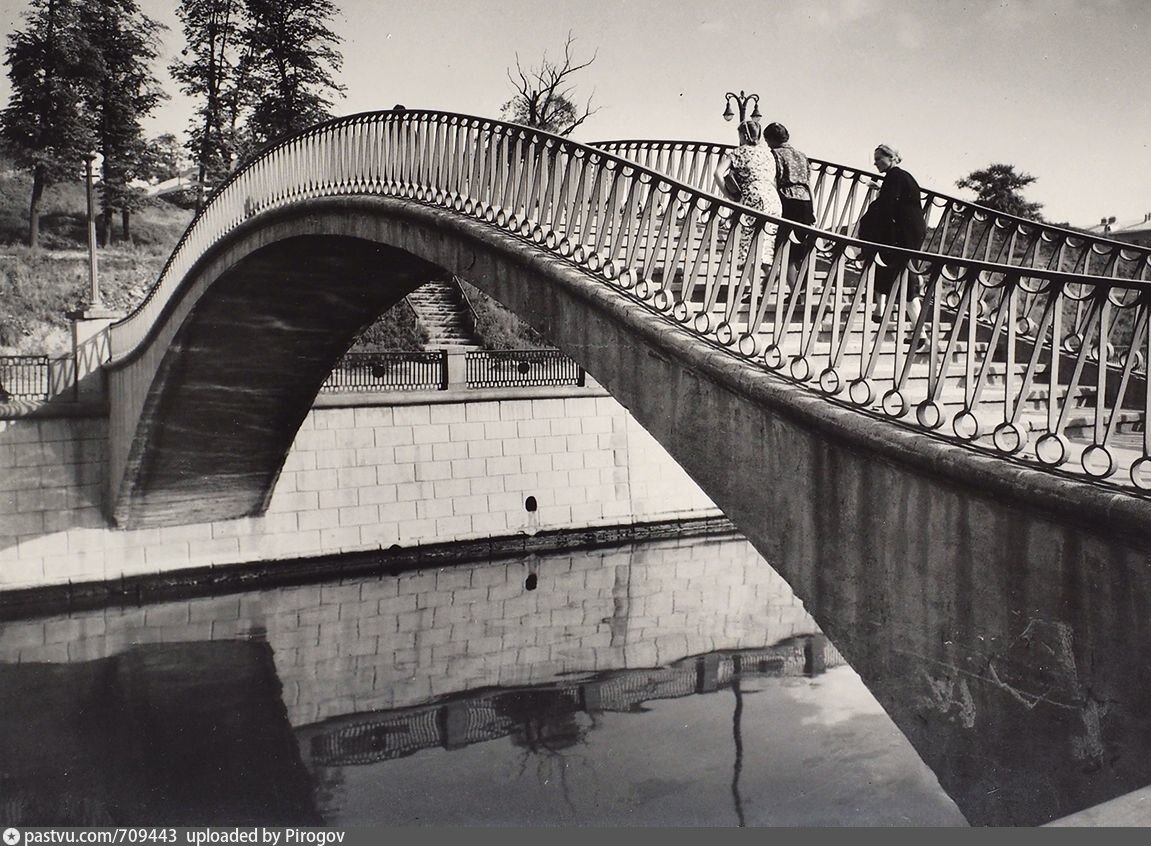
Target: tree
545, 96
125, 92
163, 158
999, 187
209, 71
52, 67
290, 61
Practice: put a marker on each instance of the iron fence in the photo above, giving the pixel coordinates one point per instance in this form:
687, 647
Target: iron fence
521, 368
24, 377
388, 371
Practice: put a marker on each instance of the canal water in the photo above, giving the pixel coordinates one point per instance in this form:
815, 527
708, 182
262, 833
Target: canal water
661, 683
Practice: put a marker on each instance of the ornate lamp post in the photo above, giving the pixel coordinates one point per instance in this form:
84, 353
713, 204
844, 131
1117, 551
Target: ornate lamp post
741, 100
95, 301
90, 323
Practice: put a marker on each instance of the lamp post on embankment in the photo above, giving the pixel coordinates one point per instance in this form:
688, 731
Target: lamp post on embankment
90, 323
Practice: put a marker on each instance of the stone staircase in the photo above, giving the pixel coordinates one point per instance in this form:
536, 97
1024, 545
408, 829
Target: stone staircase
442, 310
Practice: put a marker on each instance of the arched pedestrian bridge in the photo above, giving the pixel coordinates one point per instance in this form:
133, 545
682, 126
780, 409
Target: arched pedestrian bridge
324, 231
979, 505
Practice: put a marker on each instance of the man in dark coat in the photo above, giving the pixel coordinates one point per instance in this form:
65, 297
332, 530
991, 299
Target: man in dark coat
894, 217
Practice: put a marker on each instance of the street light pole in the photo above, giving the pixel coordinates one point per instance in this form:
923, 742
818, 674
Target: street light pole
741, 100
94, 299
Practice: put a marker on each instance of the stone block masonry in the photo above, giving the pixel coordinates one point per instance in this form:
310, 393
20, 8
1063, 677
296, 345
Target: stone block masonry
364, 473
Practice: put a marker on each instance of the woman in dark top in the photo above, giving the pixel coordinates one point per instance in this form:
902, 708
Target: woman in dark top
793, 180
894, 217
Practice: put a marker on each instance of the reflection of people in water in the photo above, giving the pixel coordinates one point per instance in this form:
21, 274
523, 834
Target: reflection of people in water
544, 721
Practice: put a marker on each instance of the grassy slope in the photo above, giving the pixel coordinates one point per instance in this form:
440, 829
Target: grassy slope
37, 287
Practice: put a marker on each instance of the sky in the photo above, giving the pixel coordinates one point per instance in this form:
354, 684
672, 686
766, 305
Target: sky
1057, 88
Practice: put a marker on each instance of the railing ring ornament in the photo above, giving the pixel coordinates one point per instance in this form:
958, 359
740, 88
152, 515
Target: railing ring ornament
772, 357
966, 426
679, 311
748, 346
724, 333
1009, 438
860, 392
929, 415
662, 299
1141, 474
830, 382
643, 290
1097, 461
800, 368
702, 323
1052, 449
894, 404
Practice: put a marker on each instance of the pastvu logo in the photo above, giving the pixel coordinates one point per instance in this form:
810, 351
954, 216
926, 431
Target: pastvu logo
11, 836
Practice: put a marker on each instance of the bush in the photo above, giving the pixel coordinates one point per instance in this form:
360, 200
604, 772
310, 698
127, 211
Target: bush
498, 328
395, 329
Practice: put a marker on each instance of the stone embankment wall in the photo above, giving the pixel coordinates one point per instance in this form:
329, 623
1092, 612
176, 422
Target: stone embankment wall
377, 643
396, 471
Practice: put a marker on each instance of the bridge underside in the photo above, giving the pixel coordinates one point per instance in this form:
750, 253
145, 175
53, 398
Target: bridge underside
243, 369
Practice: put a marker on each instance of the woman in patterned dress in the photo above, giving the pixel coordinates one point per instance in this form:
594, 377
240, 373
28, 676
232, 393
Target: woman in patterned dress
747, 176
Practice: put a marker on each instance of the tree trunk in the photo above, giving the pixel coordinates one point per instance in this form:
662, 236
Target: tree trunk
126, 225
34, 206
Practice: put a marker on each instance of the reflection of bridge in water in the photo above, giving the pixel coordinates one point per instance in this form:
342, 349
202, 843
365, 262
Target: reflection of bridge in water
541, 713
970, 505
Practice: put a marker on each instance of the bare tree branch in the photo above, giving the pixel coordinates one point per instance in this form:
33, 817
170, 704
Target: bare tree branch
545, 94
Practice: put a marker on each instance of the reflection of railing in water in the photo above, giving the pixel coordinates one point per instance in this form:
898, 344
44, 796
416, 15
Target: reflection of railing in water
368, 738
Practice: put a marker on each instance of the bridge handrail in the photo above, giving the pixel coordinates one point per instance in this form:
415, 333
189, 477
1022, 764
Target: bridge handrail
1002, 237
1001, 338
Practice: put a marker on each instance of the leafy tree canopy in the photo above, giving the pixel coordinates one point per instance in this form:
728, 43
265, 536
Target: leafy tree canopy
999, 187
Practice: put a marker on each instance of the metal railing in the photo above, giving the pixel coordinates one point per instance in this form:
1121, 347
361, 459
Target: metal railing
1031, 363
521, 368
388, 371
36, 378
955, 227
25, 377
431, 371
